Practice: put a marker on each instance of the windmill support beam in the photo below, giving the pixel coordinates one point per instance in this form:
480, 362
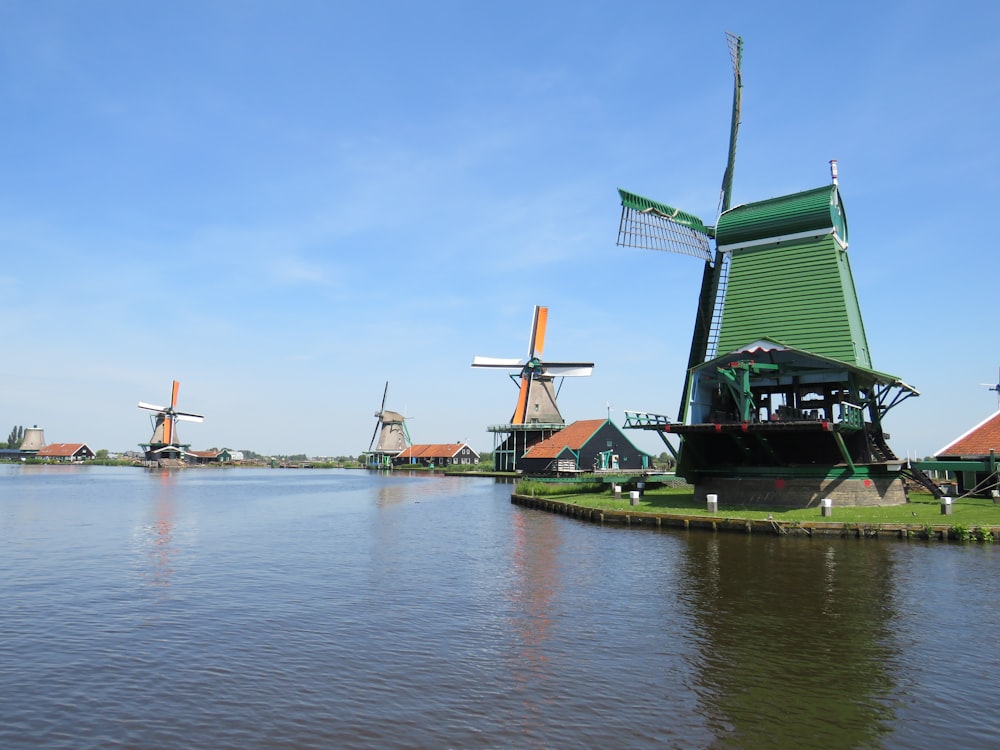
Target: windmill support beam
842, 447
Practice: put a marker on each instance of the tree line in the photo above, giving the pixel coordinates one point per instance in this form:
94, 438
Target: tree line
16, 437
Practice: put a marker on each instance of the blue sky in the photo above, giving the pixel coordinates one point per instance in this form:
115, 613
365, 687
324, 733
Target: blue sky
283, 205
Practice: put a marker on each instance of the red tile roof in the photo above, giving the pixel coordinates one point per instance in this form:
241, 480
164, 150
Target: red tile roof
978, 441
60, 450
436, 450
574, 437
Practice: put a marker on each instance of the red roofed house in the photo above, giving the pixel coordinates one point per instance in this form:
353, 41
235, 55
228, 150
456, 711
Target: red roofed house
65, 452
441, 454
981, 443
585, 445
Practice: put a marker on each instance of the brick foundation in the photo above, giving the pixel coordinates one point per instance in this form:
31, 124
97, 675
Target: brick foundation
802, 492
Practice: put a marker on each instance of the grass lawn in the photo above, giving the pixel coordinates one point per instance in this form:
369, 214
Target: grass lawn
922, 510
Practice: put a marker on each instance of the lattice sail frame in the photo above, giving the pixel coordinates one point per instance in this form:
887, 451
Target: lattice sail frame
649, 225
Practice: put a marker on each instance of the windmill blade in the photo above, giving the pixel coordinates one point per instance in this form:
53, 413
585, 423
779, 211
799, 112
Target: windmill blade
379, 416
649, 225
522, 401
173, 394
504, 362
539, 322
568, 369
735, 44
185, 417
151, 407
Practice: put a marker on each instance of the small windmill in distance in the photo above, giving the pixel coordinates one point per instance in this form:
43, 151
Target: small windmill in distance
536, 415
164, 447
995, 387
393, 437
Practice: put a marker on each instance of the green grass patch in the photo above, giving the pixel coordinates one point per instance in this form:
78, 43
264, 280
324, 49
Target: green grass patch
562, 490
923, 509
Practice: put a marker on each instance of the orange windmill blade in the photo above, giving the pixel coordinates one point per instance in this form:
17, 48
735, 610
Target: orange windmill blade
165, 418
536, 400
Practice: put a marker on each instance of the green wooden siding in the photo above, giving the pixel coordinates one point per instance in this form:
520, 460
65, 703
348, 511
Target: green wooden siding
799, 293
808, 211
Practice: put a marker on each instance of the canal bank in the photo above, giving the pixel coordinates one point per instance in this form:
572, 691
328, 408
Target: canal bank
772, 527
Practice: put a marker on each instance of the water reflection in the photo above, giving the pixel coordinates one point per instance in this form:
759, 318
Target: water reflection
157, 539
794, 640
391, 493
410, 486
533, 590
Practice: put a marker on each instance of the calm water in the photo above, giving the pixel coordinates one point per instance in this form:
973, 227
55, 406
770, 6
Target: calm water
338, 609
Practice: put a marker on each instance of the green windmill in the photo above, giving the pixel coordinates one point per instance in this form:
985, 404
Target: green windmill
780, 403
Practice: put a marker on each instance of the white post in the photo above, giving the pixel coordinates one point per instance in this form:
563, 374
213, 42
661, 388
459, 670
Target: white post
633, 497
618, 490
826, 506
945, 506
712, 503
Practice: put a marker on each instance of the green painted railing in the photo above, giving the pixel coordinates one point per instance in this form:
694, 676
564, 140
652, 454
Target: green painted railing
851, 416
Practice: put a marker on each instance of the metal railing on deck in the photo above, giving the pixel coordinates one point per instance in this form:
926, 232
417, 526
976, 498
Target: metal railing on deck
640, 420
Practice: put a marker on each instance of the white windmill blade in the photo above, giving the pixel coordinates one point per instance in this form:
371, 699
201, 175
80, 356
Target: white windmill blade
568, 369
185, 417
507, 362
151, 407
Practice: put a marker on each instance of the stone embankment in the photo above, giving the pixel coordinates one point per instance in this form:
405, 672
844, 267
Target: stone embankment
940, 532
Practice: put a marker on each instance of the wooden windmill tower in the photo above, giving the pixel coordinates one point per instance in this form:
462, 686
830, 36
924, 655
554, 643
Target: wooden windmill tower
393, 437
164, 447
780, 403
536, 415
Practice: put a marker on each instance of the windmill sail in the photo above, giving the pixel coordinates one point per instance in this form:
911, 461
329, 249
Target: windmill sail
994, 387
650, 225
164, 447
165, 430
536, 399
